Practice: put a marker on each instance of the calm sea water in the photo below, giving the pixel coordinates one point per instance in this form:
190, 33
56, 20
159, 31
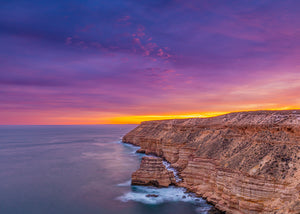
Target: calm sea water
78, 170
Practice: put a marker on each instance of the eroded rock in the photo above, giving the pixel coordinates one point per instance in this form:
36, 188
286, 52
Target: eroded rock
247, 162
152, 172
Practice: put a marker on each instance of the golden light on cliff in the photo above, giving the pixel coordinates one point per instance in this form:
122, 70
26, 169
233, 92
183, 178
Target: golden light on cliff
136, 119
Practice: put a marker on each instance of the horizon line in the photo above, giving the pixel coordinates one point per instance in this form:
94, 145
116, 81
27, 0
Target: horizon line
138, 119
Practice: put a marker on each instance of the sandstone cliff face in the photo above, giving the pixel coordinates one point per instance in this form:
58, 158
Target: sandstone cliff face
247, 162
152, 172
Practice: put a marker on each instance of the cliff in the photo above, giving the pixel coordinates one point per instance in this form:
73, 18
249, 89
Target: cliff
152, 172
246, 162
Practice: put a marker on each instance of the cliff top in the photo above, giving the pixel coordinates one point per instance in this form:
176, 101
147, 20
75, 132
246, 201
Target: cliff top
256, 152
265, 117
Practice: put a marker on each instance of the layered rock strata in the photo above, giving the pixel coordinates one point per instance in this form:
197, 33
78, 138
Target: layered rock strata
152, 172
246, 162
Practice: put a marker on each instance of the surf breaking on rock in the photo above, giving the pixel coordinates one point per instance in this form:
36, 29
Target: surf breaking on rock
242, 162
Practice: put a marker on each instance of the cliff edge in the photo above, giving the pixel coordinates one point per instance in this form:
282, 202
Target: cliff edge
245, 162
152, 172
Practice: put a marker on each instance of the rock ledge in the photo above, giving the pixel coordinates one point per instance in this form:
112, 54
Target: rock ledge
245, 162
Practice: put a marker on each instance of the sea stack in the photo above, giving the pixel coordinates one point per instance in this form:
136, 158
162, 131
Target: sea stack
245, 162
152, 172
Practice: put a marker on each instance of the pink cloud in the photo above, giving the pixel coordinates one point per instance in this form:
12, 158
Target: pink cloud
124, 18
68, 41
86, 28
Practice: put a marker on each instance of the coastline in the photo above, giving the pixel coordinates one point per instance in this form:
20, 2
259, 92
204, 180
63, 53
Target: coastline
230, 160
176, 180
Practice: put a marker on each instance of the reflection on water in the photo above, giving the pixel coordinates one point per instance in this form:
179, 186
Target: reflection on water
77, 169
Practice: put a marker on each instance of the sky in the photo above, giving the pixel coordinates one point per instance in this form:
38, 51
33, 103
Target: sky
116, 61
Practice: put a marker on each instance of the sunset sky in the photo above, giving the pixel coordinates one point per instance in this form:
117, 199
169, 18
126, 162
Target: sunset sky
125, 61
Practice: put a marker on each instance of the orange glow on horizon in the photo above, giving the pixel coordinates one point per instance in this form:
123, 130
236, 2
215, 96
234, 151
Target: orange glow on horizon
136, 119
93, 118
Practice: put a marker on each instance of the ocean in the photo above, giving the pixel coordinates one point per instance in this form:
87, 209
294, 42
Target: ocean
79, 170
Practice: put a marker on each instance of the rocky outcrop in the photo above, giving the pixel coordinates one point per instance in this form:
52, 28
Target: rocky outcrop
246, 162
152, 172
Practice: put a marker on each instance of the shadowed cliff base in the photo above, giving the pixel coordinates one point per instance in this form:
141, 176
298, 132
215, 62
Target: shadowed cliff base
245, 162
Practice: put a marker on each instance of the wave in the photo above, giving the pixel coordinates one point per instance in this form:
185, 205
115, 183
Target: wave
175, 172
153, 195
125, 184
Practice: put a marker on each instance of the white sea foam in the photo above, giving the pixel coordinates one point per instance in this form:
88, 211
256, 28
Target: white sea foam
131, 147
203, 209
175, 172
167, 164
170, 194
125, 184
143, 194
